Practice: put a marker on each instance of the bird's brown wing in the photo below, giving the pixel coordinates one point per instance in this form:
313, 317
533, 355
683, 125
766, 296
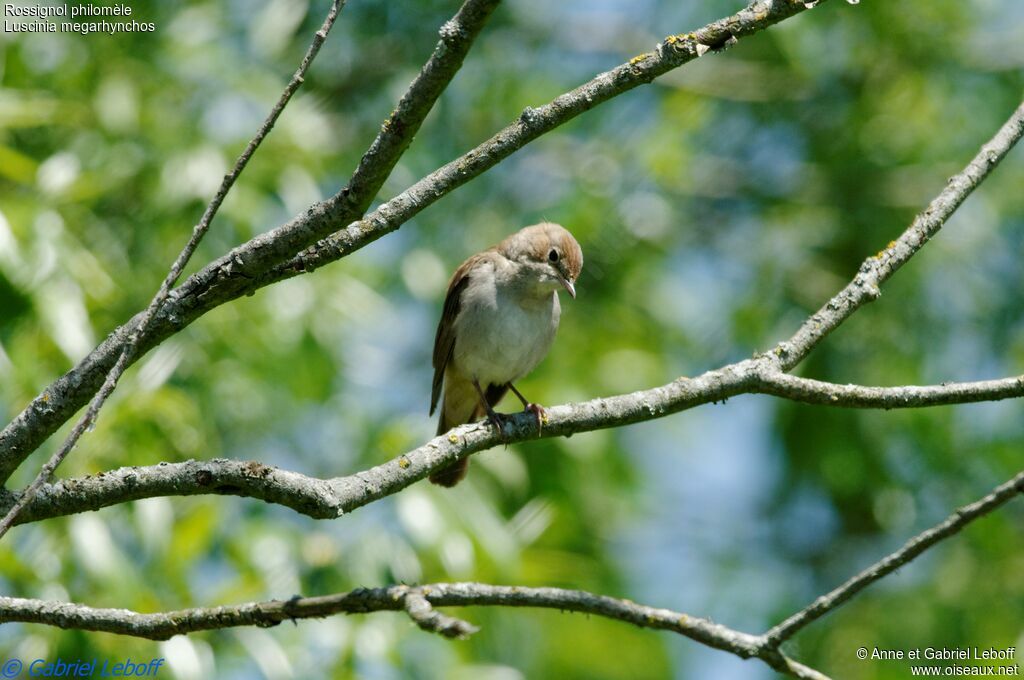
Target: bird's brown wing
444, 339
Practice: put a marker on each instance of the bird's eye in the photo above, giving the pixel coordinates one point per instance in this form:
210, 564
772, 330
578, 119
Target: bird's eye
553, 256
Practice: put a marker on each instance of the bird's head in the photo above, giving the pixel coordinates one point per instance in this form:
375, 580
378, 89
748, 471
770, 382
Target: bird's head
550, 254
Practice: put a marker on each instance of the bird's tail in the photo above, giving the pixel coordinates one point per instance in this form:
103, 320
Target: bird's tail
461, 405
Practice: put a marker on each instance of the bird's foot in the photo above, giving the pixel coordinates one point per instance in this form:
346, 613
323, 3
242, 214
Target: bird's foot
498, 421
536, 409
539, 412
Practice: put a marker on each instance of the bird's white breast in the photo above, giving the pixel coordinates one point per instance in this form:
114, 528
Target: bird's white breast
500, 334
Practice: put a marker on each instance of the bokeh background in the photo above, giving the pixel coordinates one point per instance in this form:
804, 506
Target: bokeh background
716, 208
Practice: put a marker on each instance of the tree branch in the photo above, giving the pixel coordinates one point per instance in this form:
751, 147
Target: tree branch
331, 498
865, 287
344, 494
914, 547
257, 263
423, 614
763, 373
418, 602
225, 278
130, 348
910, 396
310, 496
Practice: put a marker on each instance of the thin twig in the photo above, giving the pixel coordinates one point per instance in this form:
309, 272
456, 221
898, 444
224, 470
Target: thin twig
130, 347
876, 270
423, 614
914, 547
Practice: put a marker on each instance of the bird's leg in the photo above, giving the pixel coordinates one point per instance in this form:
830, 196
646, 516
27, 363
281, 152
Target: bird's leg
492, 416
536, 409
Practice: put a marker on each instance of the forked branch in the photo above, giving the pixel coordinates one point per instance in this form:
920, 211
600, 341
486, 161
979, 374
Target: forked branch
276, 255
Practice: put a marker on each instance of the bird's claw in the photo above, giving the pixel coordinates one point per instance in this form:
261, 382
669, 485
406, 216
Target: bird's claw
540, 413
498, 421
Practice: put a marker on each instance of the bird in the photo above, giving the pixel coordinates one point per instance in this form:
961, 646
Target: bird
500, 316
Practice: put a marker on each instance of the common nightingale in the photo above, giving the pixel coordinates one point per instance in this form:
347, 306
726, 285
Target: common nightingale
500, 317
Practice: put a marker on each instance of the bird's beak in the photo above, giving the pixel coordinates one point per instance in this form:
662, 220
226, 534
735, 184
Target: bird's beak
567, 284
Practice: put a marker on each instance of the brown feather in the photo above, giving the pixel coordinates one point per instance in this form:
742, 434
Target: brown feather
444, 345
572, 257
444, 339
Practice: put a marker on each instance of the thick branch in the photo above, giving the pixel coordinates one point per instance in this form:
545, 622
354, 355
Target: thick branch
257, 262
914, 547
330, 498
228, 277
418, 602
